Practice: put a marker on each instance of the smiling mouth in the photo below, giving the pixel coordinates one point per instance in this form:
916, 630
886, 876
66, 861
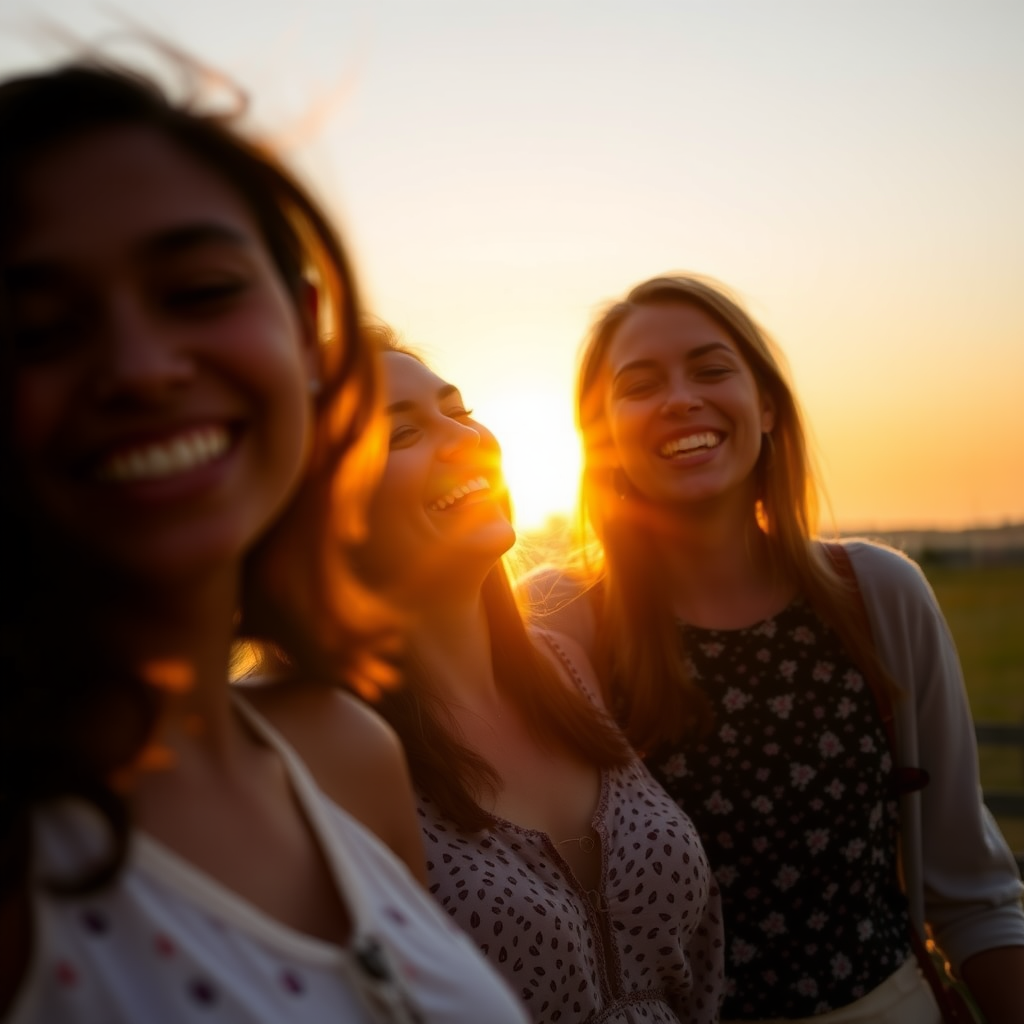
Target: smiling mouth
457, 495
158, 460
681, 447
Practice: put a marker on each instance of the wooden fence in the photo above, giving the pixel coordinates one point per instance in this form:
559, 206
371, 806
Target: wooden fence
1004, 803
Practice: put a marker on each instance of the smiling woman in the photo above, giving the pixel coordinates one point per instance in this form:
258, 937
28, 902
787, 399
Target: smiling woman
190, 422
734, 648
435, 502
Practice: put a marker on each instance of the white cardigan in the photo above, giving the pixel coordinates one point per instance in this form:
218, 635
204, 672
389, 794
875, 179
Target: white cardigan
961, 877
960, 874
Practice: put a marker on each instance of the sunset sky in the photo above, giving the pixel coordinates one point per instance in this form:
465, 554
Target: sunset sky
852, 169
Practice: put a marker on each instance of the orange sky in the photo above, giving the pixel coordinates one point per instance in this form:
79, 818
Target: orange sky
851, 168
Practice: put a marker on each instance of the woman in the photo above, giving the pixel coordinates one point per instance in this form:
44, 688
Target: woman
546, 838
189, 425
733, 649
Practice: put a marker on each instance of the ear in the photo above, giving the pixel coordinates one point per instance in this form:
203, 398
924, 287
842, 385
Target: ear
308, 305
767, 413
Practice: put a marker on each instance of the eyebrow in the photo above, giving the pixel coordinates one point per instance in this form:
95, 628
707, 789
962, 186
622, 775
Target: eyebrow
408, 405
651, 364
35, 273
192, 236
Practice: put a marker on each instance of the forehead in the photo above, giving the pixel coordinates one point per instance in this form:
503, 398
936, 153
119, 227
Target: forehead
112, 189
406, 379
664, 332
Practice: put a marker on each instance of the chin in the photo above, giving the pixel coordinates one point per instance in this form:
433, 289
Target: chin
496, 539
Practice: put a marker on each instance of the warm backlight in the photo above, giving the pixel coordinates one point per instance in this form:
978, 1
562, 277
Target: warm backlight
540, 456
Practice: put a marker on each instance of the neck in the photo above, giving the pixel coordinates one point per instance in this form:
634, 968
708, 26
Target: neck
718, 568
450, 637
178, 638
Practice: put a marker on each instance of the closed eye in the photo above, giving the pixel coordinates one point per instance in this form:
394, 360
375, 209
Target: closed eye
636, 388
204, 296
712, 372
46, 322
402, 436
38, 342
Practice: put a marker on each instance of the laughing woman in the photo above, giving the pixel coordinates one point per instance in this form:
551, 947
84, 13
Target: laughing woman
737, 654
546, 839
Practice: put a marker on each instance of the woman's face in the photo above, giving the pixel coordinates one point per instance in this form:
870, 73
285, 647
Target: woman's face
162, 408
684, 412
439, 513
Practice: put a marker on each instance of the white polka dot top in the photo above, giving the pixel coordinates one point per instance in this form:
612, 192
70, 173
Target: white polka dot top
167, 944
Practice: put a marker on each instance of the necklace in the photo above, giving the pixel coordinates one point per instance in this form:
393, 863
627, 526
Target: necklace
587, 844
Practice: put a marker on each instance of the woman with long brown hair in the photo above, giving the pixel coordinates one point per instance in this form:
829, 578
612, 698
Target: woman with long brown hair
734, 650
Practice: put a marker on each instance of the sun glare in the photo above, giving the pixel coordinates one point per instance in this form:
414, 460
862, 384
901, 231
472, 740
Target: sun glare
540, 456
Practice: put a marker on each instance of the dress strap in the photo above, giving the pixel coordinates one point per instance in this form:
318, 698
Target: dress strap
370, 965
555, 643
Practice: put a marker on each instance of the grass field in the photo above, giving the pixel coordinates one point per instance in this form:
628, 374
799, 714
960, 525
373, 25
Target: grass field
984, 605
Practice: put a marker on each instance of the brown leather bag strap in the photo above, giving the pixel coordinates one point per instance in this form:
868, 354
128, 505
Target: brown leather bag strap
907, 778
840, 559
952, 1004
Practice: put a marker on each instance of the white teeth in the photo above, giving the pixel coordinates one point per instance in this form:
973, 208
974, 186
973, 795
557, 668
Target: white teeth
165, 458
479, 484
691, 443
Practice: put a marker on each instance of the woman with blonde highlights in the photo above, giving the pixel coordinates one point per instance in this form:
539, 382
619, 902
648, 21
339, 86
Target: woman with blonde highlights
737, 655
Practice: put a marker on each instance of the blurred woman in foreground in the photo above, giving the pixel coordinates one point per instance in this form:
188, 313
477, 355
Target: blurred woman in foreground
189, 405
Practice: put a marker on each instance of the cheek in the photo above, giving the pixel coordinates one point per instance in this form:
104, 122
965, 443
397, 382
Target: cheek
271, 354
624, 427
395, 521
40, 400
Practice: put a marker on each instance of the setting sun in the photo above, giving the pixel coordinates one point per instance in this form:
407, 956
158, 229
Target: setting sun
876, 235
540, 455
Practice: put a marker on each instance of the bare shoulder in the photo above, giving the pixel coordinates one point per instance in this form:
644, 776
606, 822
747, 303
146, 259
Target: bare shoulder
355, 757
559, 600
324, 719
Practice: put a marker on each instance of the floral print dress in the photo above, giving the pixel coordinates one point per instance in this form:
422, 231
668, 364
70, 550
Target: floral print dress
793, 795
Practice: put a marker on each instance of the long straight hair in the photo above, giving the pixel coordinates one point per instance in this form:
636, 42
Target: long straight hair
640, 657
445, 770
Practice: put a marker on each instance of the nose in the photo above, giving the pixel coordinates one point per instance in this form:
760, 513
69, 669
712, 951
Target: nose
141, 359
682, 396
458, 439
